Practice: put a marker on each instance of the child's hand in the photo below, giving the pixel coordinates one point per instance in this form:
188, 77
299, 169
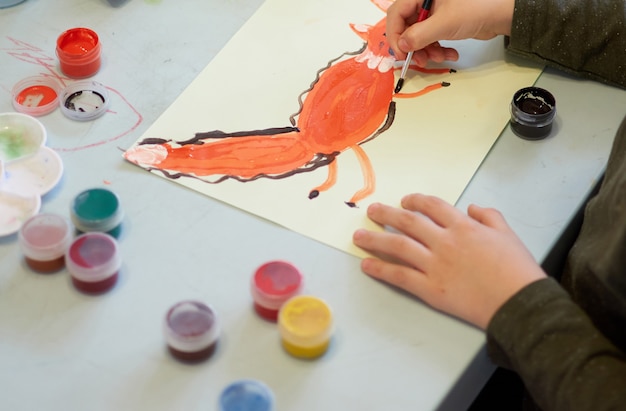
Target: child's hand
465, 265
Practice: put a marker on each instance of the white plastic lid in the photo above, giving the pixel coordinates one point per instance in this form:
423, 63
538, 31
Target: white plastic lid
36, 96
84, 100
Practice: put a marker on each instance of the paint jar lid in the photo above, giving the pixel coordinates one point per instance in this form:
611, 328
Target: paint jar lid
36, 96
305, 321
191, 326
96, 209
275, 282
45, 237
246, 395
93, 257
84, 100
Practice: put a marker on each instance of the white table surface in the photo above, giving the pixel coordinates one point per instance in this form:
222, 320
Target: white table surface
63, 350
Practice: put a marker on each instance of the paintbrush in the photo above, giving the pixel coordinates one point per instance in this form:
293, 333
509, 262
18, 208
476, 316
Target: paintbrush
423, 15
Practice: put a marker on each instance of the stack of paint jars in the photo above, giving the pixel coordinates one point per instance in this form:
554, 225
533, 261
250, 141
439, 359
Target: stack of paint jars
305, 322
92, 258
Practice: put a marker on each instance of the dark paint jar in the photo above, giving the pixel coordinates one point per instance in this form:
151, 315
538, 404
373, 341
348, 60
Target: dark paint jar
532, 113
191, 331
93, 261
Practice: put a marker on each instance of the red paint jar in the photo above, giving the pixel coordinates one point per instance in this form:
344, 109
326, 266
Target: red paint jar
44, 239
78, 50
93, 261
274, 283
191, 330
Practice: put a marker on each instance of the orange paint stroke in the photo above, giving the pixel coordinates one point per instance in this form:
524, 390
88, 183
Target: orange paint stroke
330, 180
349, 103
423, 91
368, 176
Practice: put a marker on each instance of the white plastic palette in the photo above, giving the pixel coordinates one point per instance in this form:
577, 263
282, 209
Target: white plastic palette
34, 175
26, 177
15, 209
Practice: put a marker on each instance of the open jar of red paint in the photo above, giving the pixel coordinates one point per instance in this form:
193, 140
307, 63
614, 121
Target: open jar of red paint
93, 261
78, 50
191, 330
274, 283
44, 239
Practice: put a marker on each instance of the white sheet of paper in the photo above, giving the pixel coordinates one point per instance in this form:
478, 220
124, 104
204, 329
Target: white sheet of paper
435, 145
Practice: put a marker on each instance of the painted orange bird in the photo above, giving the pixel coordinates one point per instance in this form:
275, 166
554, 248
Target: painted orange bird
349, 103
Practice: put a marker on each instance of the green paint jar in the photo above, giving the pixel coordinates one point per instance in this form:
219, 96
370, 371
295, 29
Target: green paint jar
97, 209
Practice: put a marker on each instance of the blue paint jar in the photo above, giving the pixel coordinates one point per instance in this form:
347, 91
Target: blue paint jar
246, 395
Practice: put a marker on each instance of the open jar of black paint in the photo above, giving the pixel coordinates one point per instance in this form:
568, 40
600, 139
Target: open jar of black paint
532, 112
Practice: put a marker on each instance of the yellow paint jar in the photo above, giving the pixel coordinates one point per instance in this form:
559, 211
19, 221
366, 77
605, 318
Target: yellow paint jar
305, 324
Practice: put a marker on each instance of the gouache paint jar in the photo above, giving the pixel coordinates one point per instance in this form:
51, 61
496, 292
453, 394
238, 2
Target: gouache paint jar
246, 395
44, 239
93, 261
97, 209
78, 50
191, 330
305, 324
532, 112
272, 284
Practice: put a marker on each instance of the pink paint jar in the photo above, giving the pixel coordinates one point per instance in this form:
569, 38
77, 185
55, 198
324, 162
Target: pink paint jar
93, 261
78, 50
272, 284
191, 330
44, 239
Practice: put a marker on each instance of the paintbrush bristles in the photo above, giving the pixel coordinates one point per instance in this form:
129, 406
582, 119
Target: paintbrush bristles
405, 68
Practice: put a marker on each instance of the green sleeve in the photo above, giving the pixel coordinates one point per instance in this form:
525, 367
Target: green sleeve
583, 37
565, 363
